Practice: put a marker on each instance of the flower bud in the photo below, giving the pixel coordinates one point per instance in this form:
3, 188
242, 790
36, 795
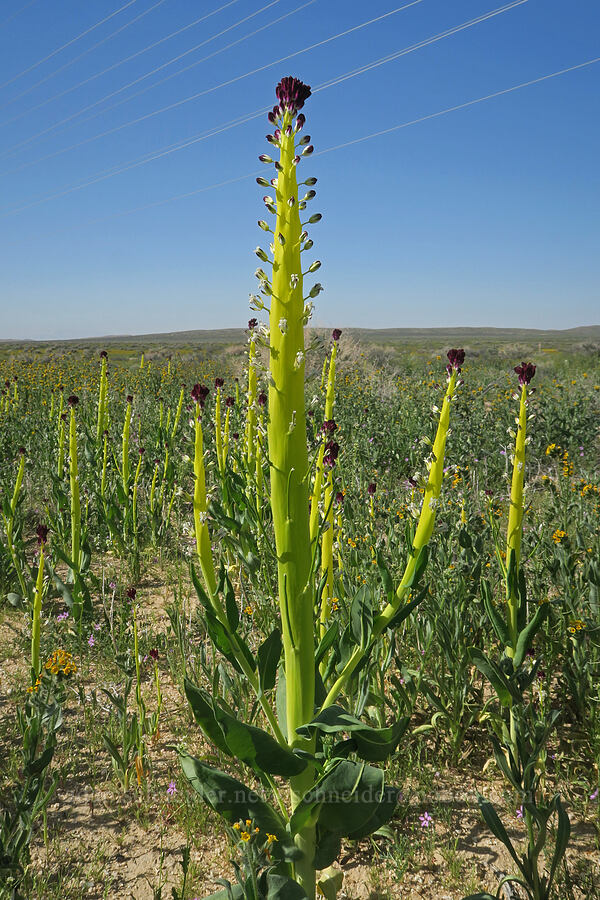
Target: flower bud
264, 225
308, 150
305, 139
264, 158
309, 195
262, 181
261, 254
316, 217
315, 265
310, 182
315, 290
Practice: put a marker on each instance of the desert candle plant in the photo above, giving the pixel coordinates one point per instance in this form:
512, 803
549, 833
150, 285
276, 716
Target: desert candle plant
102, 423
36, 617
74, 484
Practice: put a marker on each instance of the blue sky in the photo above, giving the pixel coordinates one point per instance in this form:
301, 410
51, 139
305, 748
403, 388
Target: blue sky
487, 215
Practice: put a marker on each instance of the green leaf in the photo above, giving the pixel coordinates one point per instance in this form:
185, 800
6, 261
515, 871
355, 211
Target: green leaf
327, 848
329, 883
15, 600
326, 642
420, 566
344, 799
202, 595
231, 607
498, 623
268, 656
361, 616
497, 828
281, 887
562, 838
382, 814
512, 574
405, 610
234, 801
253, 746
205, 715
371, 744
526, 636
386, 578
493, 674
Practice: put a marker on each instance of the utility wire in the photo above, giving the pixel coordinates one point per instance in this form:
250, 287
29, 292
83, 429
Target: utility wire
17, 13
217, 87
366, 137
11, 150
172, 148
68, 44
68, 64
110, 68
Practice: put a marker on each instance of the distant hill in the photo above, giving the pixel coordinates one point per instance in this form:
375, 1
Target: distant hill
393, 336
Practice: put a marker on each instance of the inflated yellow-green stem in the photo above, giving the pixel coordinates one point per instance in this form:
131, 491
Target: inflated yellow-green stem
36, 618
51, 413
424, 527
525, 371
177, 415
125, 470
288, 455
329, 401
60, 465
136, 479
251, 401
104, 465
9, 522
203, 548
218, 432
74, 483
102, 423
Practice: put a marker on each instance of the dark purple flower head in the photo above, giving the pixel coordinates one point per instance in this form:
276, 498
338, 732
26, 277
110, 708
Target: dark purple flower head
339, 498
292, 93
21, 451
331, 454
371, 488
336, 334
42, 534
129, 398
219, 382
199, 393
131, 592
525, 371
235, 435
73, 400
103, 354
262, 399
252, 323
456, 359
329, 426
141, 451
229, 401
153, 654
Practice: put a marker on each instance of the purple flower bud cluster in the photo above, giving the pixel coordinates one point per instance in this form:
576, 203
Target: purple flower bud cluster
42, 534
336, 334
329, 427
262, 399
252, 324
292, 94
371, 488
199, 393
73, 400
525, 371
219, 382
456, 359
332, 449
230, 401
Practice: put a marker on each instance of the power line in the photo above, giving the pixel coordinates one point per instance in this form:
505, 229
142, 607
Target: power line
367, 137
68, 64
172, 148
116, 65
70, 118
17, 13
217, 87
68, 44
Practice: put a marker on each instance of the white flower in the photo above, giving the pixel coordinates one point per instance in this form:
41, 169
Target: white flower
299, 359
283, 325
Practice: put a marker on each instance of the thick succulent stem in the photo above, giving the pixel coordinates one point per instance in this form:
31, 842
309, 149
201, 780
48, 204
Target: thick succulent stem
36, 618
288, 459
203, 547
74, 482
102, 423
515, 521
